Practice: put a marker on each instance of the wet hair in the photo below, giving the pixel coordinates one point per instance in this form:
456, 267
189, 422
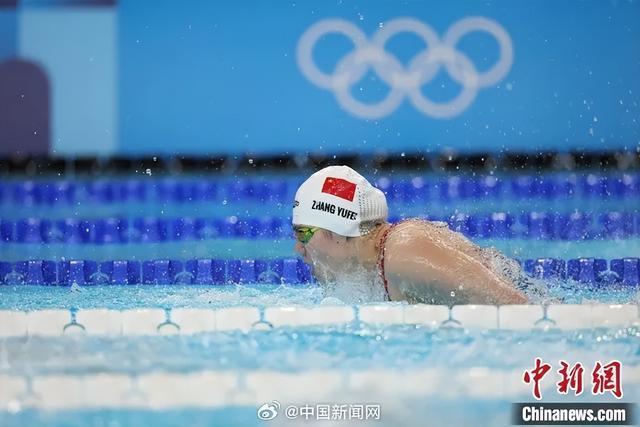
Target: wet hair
366, 227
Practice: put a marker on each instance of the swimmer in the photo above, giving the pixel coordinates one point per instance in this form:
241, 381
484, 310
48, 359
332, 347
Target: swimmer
340, 223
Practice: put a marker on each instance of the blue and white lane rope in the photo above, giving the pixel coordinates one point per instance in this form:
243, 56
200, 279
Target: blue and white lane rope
496, 225
417, 189
158, 321
595, 271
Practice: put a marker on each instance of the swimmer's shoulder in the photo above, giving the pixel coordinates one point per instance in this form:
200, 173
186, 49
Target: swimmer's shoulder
419, 239
408, 236
413, 229
408, 245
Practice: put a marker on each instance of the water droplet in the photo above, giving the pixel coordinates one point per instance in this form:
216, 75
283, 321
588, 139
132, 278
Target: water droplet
13, 406
453, 294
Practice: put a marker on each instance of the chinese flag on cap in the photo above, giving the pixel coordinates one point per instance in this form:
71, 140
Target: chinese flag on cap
339, 187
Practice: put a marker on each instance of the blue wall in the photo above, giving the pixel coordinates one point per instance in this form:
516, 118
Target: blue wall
8, 27
77, 48
216, 77
73, 44
197, 77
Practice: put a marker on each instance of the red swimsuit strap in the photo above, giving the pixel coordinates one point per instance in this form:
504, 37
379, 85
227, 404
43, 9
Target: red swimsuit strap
383, 241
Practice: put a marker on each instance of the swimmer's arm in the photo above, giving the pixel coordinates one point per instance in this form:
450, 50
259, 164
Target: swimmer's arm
442, 270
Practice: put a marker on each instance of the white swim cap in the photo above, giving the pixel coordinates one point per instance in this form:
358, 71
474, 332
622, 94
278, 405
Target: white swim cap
339, 199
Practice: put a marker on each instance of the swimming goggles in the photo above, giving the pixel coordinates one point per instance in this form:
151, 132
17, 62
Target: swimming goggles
304, 234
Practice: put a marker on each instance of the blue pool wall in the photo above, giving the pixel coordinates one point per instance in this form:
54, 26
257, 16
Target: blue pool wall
127, 78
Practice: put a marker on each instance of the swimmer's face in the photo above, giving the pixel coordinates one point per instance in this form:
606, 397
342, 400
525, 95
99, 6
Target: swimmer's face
326, 253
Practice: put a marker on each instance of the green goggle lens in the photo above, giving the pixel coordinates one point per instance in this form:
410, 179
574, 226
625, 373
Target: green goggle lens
304, 234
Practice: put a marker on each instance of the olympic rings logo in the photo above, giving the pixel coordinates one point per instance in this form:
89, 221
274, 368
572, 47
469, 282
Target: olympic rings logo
405, 81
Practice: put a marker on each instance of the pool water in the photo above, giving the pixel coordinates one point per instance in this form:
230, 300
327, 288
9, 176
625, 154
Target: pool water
338, 361
350, 347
